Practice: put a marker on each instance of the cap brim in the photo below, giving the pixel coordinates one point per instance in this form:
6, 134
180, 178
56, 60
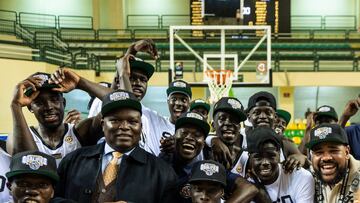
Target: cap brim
121, 104
207, 179
50, 175
328, 114
173, 90
193, 121
144, 67
311, 144
30, 91
238, 113
197, 105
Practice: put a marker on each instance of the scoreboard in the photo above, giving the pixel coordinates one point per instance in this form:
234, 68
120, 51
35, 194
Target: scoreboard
275, 13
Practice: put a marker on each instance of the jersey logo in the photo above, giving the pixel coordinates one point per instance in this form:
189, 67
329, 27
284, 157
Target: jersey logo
209, 168
34, 161
69, 139
239, 169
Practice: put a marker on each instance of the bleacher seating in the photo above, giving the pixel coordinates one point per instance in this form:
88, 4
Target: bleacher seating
320, 43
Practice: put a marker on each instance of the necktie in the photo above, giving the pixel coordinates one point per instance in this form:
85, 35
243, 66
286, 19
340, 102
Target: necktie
111, 169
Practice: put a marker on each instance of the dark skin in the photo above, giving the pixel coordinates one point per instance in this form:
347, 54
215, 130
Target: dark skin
178, 104
189, 142
350, 110
206, 192
313, 120
264, 116
329, 159
280, 125
202, 111
227, 128
31, 187
125, 78
73, 117
122, 129
264, 164
49, 111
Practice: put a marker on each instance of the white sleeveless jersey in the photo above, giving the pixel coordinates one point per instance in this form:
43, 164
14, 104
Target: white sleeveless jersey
4, 168
68, 144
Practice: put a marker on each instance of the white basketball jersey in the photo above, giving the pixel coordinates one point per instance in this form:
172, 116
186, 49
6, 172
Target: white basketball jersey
295, 187
4, 168
68, 144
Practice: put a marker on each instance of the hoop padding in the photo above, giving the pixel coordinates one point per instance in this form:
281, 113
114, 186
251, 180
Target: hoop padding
219, 82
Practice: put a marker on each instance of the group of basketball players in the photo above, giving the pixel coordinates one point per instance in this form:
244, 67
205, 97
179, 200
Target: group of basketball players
126, 152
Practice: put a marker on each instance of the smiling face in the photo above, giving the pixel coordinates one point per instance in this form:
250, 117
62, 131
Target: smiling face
178, 104
265, 163
31, 188
122, 128
330, 161
48, 108
227, 126
262, 115
280, 125
138, 82
189, 142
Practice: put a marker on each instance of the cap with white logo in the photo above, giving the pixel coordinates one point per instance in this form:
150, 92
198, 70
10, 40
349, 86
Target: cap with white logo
33, 162
119, 99
179, 86
192, 119
327, 133
208, 170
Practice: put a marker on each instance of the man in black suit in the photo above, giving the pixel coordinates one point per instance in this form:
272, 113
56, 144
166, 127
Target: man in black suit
117, 169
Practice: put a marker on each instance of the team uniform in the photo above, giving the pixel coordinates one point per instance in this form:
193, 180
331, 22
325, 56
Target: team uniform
68, 144
4, 168
296, 187
241, 163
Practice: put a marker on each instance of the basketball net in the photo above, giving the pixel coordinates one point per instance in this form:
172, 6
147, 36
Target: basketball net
219, 82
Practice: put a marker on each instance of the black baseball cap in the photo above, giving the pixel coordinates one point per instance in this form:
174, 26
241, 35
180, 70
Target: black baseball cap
259, 96
284, 115
192, 118
208, 170
260, 135
142, 66
119, 99
327, 132
231, 105
44, 83
33, 162
179, 86
326, 110
199, 103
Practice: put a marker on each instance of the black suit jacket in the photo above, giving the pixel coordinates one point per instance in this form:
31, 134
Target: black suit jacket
142, 178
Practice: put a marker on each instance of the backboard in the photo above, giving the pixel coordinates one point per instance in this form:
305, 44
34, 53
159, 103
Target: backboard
245, 50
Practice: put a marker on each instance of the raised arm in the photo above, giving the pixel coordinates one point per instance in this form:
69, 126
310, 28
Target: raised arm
122, 75
21, 138
350, 110
88, 130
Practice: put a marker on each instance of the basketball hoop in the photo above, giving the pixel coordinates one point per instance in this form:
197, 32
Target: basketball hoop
219, 82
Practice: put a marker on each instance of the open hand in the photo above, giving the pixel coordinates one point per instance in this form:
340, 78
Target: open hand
65, 78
